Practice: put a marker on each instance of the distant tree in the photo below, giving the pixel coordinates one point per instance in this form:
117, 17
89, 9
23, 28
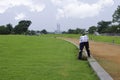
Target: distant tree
44, 31
9, 28
22, 27
114, 29
4, 30
116, 15
64, 32
76, 31
38, 31
103, 25
32, 32
79, 31
71, 31
92, 29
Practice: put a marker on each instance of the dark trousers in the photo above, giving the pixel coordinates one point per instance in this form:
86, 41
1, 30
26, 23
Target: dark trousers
82, 45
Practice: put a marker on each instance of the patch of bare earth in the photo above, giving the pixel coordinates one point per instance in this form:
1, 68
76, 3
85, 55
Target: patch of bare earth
108, 55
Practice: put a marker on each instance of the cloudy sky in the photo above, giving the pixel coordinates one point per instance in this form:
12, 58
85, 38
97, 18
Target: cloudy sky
46, 14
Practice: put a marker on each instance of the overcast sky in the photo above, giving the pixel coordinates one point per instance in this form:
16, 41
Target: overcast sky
46, 14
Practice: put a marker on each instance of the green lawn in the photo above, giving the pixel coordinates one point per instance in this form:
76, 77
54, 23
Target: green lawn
108, 39
41, 58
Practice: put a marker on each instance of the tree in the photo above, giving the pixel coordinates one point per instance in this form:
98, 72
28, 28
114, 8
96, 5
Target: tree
71, 31
22, 27
64, 32
115, 29
103, 25
32, 32
44, 31
4, 30
76, 31
116, 15
92, 29
79, 31
9, 28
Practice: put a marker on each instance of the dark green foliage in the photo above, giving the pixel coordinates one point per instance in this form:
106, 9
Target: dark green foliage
115, 29
3, 30
71, 31
32, 32
76, 31
22, 27
9, 28
116, 15
92, 29
6, 29
44, 31
103, 26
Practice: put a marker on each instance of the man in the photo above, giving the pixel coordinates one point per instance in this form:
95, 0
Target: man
84, 41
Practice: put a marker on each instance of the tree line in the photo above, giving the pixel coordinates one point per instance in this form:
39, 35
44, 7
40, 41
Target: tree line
108, 26
74, 31
20, 28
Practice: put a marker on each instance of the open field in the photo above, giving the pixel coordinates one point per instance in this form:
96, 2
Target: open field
108, 55
107, 39
41, 58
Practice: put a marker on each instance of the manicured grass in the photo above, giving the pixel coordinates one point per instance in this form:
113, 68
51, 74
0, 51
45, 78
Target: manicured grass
41, 58
64, 35
108, 39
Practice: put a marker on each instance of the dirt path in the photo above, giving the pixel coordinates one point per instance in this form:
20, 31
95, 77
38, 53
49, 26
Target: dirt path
108, 55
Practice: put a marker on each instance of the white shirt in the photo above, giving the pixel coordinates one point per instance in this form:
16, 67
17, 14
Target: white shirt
84, 38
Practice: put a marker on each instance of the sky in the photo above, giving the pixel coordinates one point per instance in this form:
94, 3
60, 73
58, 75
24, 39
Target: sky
46, 14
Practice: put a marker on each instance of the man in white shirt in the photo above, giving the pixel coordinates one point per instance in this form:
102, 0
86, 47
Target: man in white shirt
84, 41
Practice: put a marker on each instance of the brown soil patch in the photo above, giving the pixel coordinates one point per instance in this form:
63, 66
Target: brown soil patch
108, 55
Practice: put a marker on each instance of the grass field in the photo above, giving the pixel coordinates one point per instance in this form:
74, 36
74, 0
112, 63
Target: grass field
108, 39
41, 58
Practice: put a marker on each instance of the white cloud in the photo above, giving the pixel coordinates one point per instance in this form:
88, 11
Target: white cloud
6, 4
20, 16
105, 2
60, 14
37, 8
78, 9
56, 1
